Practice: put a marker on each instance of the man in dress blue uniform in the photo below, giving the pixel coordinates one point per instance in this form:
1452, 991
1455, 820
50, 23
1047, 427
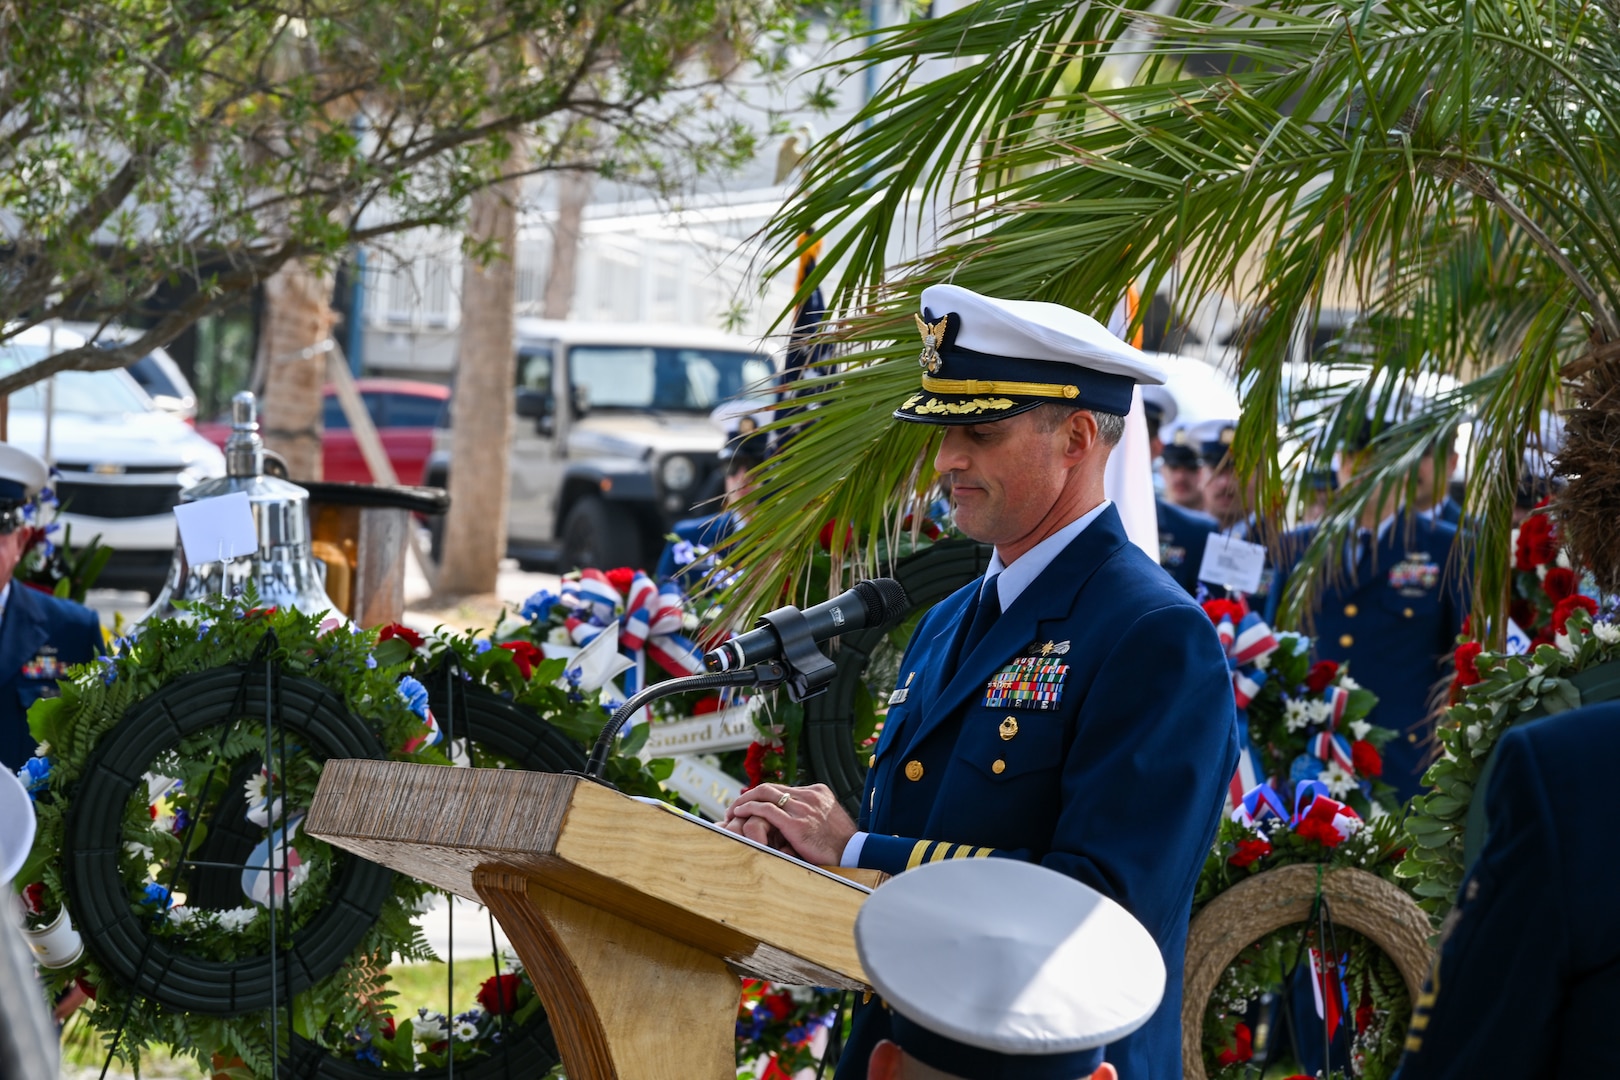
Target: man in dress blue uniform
1071, 708
40, 635
1527, 979
683, 557
1393, 612
994, 969
1228, 502
1182, 533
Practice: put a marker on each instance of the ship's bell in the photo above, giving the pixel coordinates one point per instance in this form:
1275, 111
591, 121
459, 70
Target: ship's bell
283, 570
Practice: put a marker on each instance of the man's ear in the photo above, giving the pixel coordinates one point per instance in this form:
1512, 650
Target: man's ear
885, 1062
1082, 432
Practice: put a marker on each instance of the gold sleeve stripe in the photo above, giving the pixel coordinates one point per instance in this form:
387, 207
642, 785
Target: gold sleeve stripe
1414, 1043
990, 386
943, 851
917, 854
983, 852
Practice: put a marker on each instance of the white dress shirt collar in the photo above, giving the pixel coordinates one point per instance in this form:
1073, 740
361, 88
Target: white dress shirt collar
1017, 576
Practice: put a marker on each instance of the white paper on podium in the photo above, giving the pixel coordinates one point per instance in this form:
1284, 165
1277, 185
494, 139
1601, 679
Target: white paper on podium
213, 530
712, 827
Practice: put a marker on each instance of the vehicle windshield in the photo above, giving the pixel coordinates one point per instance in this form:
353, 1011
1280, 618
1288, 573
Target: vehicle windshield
678, 380
95, 393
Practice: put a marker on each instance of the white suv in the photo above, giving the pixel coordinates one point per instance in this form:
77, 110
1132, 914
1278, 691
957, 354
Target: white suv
123, 461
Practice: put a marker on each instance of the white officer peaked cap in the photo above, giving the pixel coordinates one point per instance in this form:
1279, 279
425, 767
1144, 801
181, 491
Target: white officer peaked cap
1160, 398
982, 960
22, 475
17, 838
986, 359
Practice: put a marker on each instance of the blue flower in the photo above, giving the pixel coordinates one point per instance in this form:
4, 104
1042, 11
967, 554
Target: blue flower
369, 1054
371, 661
203, 628
415, 695
157, 896
181, 820
109, 669
34, 774
483, 645
537, 608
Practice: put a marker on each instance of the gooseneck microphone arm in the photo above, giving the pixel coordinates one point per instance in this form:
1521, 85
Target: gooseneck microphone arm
764, 675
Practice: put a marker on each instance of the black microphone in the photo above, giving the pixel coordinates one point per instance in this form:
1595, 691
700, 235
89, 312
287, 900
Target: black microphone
869, 603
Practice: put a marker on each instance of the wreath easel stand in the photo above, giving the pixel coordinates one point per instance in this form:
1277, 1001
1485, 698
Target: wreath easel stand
1269, 901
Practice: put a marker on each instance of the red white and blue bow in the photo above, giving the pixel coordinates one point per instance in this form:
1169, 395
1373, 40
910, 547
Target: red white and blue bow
1311, 800
1331, 747
1245, 644
649, 627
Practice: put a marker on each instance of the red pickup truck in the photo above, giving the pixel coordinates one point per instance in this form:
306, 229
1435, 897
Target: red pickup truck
405, 413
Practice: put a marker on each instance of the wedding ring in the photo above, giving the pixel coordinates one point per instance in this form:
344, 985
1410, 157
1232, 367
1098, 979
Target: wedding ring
783, 801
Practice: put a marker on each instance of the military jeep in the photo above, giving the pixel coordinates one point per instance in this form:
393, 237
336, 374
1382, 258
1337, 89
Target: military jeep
613, 440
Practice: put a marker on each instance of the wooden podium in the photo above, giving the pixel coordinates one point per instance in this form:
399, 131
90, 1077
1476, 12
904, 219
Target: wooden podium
634, 923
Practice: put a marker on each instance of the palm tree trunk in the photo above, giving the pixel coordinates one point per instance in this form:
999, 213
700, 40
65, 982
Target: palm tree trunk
481, 410
297, 323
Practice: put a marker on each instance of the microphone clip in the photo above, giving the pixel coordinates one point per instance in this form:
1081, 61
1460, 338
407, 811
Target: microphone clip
809, 672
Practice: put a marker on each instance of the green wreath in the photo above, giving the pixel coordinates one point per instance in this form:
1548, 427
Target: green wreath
171, 952
1499, 691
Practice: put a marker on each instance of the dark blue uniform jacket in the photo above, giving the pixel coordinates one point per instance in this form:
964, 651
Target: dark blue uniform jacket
1182, 536
1527, 983
701, 532
40, 638
1396, 621
1092, 730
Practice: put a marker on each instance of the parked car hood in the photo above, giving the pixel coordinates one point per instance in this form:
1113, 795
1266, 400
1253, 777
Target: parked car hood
632, 434
154, 438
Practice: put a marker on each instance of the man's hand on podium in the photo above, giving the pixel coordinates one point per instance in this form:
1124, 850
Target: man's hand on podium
806, 822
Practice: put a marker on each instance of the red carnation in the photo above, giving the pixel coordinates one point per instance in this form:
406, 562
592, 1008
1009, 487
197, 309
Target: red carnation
1559, 584
1249, 851
1242, 1048
779, 1004
525, 656
1321, 676
929, 528
1521, 611
1538, 543
1364, 1014
1364, 756
621, 579
1567, 607
1323, 832
704, 706
754, 764
404, 633
34, 898
1223, 609
825, 536
1466, 659
498, 995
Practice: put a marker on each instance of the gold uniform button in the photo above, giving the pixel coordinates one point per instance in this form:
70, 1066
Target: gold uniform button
998, 766
1351, 611
1411, 738
1345, 641
1009, 728
914, 770
871, 760
1407, 612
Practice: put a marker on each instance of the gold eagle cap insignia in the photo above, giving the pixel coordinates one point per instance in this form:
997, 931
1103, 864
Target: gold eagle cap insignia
933, 336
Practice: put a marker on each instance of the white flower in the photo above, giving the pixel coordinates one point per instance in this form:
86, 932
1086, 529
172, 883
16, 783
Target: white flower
1321, 712
430, 1027
1472, 733
1376, 811
466, 1031
1359, 729
559, 636
1346, 683
1607, 633
1563, 560
142, 852
236, 918
1566, 646
1262, 661
1339, 783
1296, 714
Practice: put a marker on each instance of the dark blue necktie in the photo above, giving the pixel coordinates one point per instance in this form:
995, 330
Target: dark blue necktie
984, 616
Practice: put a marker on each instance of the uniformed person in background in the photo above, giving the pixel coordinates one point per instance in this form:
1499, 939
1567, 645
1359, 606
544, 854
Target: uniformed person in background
1183, 481
1182, 533
1527, 979
1229, 500
691, 539
1073, 707
40, 635
991, 969
1393, 611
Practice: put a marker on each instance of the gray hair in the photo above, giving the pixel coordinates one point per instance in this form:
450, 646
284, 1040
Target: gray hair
1110, 426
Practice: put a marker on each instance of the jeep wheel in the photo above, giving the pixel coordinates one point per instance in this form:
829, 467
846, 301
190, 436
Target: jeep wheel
601, 535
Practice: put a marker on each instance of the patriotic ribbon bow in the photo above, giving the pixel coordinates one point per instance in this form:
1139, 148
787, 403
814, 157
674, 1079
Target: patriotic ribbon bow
1246, 643
1311, 800
650, 626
